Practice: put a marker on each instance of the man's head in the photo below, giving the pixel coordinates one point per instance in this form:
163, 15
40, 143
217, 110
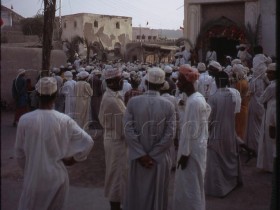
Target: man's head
222, 79
113, 78
46, 89
187, 78
155, 78
214, 67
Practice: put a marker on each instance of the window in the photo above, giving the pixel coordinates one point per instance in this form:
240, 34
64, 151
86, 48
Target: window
95, 24
118, 25
143, 36
149, 37
138, 37
75, 24
64, 24
154, 37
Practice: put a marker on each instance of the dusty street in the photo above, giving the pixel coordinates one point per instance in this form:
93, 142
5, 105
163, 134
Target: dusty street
87, 179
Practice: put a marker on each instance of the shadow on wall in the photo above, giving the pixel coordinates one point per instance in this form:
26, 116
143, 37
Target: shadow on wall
30, 59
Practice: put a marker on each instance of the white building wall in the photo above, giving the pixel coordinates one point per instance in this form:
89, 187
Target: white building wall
268, 23
106, 32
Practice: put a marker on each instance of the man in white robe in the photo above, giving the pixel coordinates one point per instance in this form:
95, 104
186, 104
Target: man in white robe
45, 141
68, 90
110, 116
223, 171
189, 177
83, 93
149, 126
265, 143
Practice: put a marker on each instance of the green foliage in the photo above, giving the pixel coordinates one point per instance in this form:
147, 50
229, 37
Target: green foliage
73, 47
253, 35
33, 26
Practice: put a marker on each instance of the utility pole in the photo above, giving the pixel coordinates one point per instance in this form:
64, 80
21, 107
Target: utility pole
49, 16
60, 21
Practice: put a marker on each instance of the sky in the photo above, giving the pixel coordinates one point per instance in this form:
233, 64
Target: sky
159, 14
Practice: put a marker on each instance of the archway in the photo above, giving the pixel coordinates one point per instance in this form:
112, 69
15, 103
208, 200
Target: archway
223, 35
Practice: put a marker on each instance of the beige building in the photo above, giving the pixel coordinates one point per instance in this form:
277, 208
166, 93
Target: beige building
222, 24
109, 31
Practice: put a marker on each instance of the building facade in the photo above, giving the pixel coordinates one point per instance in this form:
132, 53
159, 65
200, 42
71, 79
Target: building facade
223, 24
110, 32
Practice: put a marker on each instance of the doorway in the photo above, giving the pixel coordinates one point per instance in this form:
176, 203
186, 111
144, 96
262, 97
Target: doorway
223, 47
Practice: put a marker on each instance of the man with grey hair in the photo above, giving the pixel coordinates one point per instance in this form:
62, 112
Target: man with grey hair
149, 126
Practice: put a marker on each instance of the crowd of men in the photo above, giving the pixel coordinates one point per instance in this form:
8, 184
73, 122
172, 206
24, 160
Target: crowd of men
157, 118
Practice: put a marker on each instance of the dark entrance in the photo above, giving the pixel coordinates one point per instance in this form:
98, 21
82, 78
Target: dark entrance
223, 47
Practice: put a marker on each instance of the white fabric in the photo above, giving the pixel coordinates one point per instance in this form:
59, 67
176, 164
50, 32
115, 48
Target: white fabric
255, 112
271, 118
46, 86
211, 56
68, 90
223, 164
149, 130
126, 87
155, 75
189, 183
206, 85
173, 100
265, 143
236, 98
260, 62
110, 116
43, 139
186, 56
83, 93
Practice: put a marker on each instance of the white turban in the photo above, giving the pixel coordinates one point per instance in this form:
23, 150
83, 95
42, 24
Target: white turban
83, 74
88, 68
46, 86
235, 61
239, 70
201, 67
68, 75
126, 75
155, 75
216, 65
111, 72
168, 69
55, 70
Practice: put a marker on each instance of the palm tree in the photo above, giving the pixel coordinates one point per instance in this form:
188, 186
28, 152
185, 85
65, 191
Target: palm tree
49, 16
73, 47
253, 35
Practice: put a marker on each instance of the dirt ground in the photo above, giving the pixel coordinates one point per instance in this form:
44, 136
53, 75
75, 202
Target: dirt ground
253, 195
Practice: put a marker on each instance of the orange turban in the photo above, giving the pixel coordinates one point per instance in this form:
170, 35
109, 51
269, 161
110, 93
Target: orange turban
191, 74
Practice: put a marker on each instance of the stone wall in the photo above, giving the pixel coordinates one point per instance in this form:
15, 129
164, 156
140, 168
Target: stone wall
14, 58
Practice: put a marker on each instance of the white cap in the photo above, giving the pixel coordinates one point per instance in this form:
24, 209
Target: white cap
126, 75
216, 65
168, 69
68, 75
83, 74
155, 75
235, 61
46, 86
81, 69
88, 68
55, 70
111, 72
201, 67
96, 72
